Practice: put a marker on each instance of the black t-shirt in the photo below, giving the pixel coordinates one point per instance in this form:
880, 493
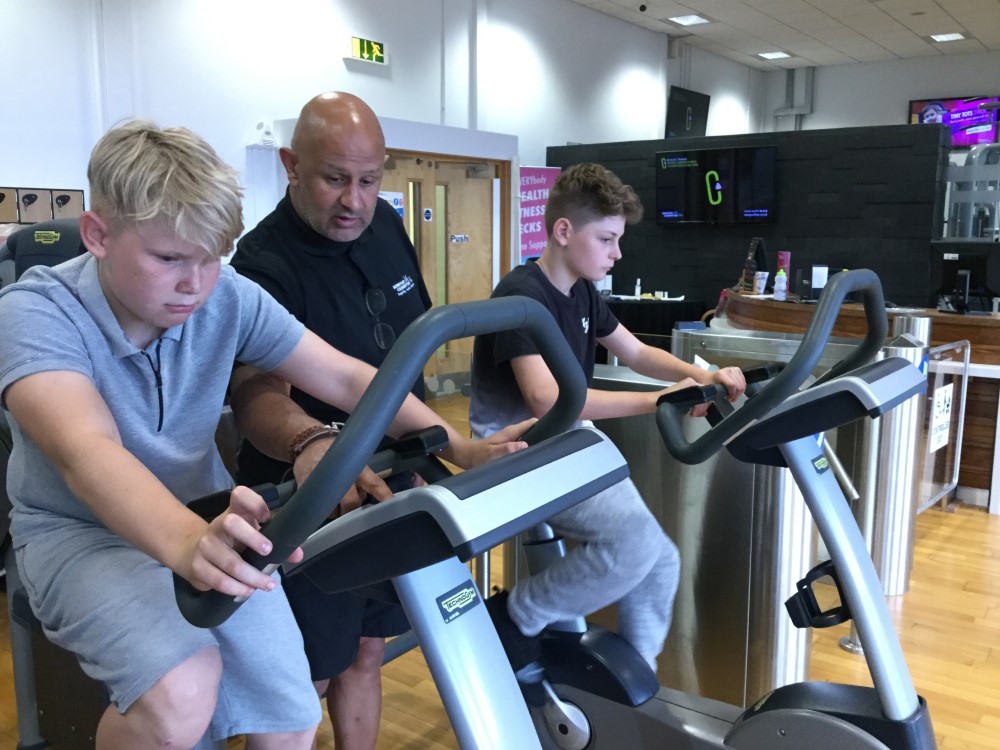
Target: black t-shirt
323, 283
582, 316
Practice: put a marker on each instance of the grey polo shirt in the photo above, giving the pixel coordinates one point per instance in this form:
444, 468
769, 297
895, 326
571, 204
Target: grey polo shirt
59, 319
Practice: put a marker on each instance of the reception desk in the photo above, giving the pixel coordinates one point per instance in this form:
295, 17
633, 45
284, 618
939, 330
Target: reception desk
979, 469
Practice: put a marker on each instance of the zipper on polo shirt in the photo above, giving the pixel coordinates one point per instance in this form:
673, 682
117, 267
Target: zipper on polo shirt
159, 380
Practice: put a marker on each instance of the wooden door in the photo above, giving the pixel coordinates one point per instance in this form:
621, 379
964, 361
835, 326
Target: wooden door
448, 209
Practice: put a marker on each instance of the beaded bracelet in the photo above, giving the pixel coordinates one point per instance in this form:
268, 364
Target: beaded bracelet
309, 436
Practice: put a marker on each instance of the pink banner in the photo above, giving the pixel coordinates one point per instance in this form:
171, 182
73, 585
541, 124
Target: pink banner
535, 185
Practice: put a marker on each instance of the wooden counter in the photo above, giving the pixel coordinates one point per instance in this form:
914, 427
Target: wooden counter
981, 331
979, 468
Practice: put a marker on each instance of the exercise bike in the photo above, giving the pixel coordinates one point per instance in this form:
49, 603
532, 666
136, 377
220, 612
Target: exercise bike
421, 539
599, 693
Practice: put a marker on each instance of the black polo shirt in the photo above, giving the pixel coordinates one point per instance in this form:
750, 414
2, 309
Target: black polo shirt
323, 283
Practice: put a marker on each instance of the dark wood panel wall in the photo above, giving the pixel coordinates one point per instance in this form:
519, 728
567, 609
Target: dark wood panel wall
848, 197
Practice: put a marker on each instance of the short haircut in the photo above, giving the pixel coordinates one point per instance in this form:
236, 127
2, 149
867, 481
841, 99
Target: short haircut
588, 192
139, 173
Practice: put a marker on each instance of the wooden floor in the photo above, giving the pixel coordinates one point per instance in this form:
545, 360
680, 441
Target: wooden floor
949, 625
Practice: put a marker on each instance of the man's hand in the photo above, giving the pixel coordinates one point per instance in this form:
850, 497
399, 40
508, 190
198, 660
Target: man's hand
213, 560
468, 453
368, 484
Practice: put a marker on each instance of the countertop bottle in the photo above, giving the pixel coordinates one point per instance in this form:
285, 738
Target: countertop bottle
780, 285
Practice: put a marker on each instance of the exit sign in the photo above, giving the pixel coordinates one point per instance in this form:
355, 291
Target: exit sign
367, 49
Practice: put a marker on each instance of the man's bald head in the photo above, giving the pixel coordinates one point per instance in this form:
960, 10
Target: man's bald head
338, 116
335, 165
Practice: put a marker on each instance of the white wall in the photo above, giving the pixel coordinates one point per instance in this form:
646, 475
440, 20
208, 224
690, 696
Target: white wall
546, 71
878, 93
554, 72
739, 93
49, 109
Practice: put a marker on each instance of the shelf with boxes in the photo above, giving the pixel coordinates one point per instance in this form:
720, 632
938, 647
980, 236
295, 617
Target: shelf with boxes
25, 205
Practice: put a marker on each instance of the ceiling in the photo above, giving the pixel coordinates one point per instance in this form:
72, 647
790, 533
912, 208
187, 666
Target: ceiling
818, 32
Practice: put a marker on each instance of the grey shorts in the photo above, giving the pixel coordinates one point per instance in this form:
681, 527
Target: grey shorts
113, 607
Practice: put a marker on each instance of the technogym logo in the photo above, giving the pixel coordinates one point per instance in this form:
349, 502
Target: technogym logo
457, 602
714, 187
821, 464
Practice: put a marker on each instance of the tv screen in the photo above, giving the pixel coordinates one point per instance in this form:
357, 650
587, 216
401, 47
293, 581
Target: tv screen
964, 282
687, 113
719, 185
970, 124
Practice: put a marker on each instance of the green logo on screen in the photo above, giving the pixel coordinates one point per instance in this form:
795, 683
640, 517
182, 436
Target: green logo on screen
714, 187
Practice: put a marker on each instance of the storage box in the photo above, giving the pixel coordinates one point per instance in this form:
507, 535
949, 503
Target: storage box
8, 205
67, 204
34, 204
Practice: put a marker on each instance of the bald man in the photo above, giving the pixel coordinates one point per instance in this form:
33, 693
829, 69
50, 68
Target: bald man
338, 258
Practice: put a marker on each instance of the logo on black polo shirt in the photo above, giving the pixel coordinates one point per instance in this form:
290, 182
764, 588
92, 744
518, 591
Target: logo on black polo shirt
404, 285
585, 322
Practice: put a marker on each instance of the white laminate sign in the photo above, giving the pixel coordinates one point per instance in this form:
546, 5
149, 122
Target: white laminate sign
941, 417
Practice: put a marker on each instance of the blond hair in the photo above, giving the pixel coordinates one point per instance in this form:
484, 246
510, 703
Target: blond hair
588, 192
139, 172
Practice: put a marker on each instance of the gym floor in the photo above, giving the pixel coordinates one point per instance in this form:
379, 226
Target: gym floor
949, 625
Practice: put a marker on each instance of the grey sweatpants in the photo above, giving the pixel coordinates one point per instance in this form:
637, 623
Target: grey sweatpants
623, 556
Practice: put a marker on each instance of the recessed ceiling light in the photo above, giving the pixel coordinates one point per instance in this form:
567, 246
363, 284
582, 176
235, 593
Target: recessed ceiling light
773, 55
688, 20
947, 37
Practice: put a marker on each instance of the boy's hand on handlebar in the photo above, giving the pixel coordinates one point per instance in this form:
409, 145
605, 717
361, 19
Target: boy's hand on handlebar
468, 453
213, 560
732, 378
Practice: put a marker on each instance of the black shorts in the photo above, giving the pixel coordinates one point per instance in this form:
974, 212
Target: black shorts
332, 625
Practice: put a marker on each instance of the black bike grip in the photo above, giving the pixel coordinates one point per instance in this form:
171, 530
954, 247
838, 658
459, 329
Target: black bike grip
760, 373
209, 609
685, 398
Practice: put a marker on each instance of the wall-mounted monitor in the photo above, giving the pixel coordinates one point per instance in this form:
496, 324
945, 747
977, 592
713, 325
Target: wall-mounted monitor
965, 283
972, 120
718, 185
687, 113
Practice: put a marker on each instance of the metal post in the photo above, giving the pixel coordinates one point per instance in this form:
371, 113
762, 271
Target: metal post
511, 562
481, 572
888, 492
899, 467
784, 548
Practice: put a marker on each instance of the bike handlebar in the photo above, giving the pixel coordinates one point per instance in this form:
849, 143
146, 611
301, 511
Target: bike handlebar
795, 372
315, 500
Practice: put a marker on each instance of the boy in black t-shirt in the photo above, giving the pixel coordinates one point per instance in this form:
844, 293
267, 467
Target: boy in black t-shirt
625, 556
